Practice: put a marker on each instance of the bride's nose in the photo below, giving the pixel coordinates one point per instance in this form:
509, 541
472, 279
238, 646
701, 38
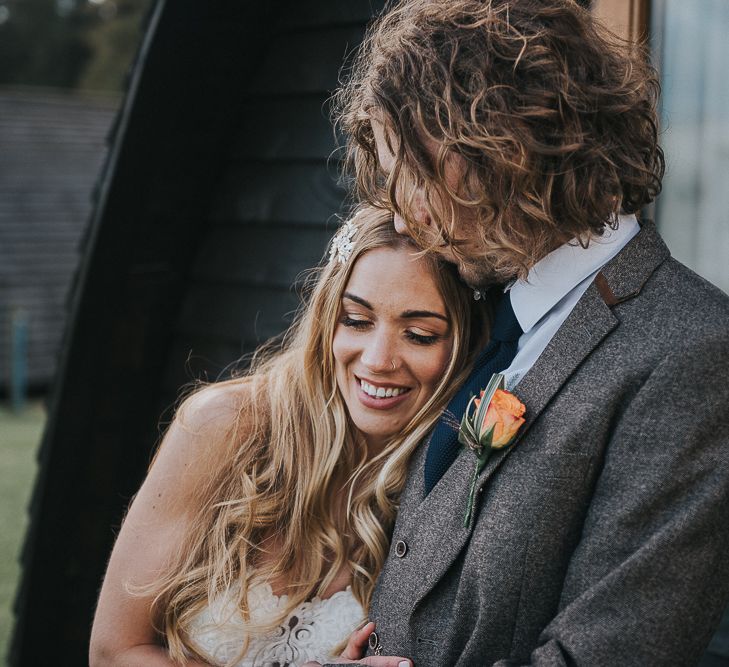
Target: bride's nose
378, 355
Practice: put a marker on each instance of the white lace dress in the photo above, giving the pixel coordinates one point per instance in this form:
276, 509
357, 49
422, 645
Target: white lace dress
310, 632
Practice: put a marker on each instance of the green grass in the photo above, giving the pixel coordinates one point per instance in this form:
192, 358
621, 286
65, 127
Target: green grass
19, 438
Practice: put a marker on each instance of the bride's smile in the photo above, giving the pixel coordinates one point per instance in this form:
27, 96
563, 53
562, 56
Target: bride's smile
379, 391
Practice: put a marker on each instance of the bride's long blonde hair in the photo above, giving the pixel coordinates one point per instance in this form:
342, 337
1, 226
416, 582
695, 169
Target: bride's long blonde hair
295, 468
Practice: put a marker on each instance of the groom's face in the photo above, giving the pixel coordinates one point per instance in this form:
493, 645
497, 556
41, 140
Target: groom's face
425, 222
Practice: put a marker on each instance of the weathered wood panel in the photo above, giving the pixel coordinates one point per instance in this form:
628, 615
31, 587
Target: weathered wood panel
259, 254
278, 192
628, 18
304, 62
236, 313
207, 358
329, 13
285, 128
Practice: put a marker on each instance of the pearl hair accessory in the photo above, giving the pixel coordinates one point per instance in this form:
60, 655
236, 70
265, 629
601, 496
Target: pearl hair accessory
342, 244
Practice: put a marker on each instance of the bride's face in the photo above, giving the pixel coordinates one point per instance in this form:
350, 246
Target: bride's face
392, 343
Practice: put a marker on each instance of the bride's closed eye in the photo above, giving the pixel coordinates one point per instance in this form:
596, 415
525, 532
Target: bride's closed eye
422, 339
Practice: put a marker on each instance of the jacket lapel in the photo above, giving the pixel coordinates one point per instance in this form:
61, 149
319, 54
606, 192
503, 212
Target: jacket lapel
437, 520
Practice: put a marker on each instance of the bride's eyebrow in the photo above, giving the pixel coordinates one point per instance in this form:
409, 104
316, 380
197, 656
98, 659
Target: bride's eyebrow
406, 315
357, 299
412, 314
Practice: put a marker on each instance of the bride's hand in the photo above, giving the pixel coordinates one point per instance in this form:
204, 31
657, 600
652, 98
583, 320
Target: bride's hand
355, 649
357, 644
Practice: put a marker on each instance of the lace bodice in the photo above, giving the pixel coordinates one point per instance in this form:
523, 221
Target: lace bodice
310, 632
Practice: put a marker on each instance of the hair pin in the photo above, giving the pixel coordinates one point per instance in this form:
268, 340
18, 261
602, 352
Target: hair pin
342, 244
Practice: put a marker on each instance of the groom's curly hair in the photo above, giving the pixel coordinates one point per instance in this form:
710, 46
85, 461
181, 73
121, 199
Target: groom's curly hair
551, 118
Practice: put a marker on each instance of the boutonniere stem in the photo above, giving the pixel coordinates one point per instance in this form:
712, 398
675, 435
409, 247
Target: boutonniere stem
491, 422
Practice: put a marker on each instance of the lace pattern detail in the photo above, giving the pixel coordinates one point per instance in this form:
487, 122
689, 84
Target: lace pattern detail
309, 632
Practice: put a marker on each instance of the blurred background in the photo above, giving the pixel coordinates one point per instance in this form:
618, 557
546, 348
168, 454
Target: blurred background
63, 69
165, 175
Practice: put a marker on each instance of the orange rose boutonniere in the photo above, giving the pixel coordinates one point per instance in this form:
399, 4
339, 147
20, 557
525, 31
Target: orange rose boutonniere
491, 422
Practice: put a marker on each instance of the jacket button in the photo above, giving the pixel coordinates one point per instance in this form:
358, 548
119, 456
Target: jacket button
374, 643
401, 548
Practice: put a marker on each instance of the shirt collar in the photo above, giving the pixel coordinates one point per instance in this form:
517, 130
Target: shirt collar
557, 274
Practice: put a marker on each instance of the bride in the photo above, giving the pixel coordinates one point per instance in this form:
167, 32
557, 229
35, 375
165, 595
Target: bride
257, 536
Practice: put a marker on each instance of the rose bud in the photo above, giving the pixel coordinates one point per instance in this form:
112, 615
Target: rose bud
504, 414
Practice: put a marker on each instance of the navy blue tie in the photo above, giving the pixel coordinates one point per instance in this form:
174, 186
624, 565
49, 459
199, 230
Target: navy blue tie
496, 357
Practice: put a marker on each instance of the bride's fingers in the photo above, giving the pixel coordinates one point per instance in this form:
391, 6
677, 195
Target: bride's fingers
385, 661
373, 661
357, 643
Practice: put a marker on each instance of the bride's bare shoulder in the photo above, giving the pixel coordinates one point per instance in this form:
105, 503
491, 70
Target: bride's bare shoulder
205, 429
214, 409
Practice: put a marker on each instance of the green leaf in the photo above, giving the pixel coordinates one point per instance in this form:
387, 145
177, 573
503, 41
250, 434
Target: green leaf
486, 438
496, 382
468, 408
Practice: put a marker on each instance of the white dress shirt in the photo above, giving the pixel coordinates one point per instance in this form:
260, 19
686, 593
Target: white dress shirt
552, 289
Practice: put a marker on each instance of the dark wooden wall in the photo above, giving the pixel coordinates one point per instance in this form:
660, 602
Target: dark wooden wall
52, 147
272, 211
216, 193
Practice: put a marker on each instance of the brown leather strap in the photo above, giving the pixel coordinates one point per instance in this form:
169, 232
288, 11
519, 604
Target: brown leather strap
605, 292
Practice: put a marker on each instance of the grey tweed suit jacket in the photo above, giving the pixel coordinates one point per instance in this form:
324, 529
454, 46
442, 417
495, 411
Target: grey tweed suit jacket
602, 536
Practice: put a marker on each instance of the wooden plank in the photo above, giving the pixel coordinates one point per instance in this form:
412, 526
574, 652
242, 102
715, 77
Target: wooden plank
23, 250
627, 18
55, 175
257, 192
272, 256
38, 136
328, 12
306, 62
48, 278
13, 233
244, 317
22, 200
193, 359
285, 128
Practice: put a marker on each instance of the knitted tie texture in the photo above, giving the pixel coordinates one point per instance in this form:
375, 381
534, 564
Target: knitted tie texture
496, 357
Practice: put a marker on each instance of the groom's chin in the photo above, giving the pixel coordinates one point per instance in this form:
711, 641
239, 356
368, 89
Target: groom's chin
478, 277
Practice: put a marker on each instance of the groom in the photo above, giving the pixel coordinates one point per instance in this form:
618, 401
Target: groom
516, 140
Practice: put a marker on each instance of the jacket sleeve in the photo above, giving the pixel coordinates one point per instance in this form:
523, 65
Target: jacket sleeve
649, 578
